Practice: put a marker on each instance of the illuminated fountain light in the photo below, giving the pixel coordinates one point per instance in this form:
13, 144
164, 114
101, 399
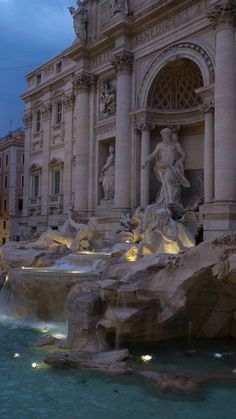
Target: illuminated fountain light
16, 355
146, 358
34, 365
89, 252
59, 335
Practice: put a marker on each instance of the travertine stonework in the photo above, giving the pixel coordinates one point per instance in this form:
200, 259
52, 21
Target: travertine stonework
134, 68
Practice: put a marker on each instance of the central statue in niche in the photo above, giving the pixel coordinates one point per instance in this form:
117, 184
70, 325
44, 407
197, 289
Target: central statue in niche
169, 169
108, 175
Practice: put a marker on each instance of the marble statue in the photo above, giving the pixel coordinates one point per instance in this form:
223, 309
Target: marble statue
120, 6
76, 236
84, 235
108, 175
66, 233
169, 169
163, 234
80, 20
107, 104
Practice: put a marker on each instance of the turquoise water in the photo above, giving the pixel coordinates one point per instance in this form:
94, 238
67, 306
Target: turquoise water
43, 392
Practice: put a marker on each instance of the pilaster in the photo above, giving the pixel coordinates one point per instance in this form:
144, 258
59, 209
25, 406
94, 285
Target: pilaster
122, 63
83, 83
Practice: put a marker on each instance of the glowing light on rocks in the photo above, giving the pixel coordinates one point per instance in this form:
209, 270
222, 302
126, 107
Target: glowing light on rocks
146, 358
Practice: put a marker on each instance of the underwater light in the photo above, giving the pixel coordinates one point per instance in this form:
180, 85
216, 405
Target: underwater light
146, 358
16, 355
217, 355
34, 365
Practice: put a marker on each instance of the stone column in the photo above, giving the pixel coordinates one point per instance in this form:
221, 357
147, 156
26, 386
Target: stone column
222, 14
208, 108
145, 173
68, 102
123, 65
82, 84
45, 187
27, 119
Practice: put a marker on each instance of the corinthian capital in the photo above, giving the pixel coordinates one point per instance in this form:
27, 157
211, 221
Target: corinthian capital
123, 61
207, 106
222, 14
84, 81
46, 110
68, 101
146, 125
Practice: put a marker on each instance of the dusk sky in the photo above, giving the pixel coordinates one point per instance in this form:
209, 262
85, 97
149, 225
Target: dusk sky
31, 33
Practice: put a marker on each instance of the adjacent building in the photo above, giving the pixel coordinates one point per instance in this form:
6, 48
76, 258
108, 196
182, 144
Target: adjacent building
11, 185
135, 67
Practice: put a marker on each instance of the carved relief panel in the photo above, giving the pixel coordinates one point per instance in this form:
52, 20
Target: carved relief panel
107, 98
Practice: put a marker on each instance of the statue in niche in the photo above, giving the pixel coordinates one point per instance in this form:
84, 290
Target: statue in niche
107, 99
108, 175
120, 6
169, 169
80, 20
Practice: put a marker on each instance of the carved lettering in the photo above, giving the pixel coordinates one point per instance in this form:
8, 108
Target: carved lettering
170, 23
101, 59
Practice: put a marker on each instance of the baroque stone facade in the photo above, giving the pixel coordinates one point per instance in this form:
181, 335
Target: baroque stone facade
134, 68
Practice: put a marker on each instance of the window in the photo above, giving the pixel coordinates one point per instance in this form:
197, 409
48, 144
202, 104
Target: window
38, 78
58, 113
58, 67
3, 240
37, 121
6, 159
20, 204
4, 225
22, 181
4, 204
35, 186
5, 181
23, 158
56, 178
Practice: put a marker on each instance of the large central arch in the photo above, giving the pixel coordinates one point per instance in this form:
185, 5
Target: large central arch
187, 49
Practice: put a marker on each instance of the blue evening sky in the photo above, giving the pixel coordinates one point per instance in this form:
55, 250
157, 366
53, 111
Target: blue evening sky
31, 33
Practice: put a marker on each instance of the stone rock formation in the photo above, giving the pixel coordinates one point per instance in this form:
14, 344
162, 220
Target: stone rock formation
84, 313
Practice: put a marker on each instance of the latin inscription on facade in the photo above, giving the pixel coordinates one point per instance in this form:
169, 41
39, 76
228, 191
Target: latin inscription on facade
171, 22
101, 59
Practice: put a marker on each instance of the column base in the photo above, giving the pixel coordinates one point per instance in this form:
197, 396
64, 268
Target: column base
219, 218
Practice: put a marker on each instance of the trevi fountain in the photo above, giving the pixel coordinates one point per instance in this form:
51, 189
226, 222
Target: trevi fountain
135, 317
146, 316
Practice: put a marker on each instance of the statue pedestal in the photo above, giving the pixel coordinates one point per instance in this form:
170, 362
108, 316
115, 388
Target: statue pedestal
105, 206
219, 218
